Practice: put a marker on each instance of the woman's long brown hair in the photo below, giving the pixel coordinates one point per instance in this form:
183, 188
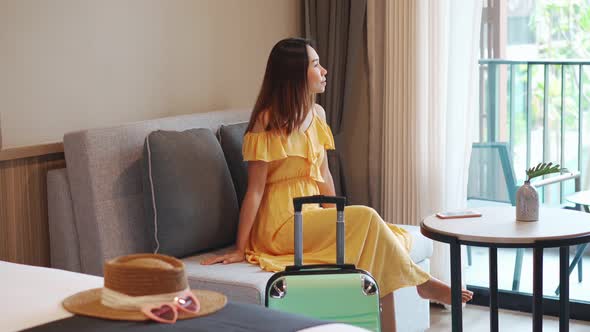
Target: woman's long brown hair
284, 92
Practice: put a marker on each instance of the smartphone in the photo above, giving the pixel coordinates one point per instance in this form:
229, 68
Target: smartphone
458, 214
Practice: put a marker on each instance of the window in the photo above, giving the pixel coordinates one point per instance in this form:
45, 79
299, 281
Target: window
535, 96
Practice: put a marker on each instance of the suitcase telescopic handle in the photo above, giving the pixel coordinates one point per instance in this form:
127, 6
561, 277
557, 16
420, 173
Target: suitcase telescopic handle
340, 202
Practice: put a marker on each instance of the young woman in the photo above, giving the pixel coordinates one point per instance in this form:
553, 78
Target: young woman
285, 146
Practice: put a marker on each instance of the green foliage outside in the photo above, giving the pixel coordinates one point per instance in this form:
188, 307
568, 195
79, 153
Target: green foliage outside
562, 32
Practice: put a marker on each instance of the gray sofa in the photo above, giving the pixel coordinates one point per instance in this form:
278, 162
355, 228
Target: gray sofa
96, 212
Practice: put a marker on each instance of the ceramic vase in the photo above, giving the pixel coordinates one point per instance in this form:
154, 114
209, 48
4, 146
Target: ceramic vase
527, 203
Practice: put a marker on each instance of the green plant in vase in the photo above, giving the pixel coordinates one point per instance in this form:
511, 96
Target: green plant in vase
527, 198
542, 169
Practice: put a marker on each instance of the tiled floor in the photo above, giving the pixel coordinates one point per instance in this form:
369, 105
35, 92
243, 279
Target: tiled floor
477, 274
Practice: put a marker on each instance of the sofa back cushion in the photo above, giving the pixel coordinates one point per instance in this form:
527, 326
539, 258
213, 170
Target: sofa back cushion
105, 177
189, 198
231, 138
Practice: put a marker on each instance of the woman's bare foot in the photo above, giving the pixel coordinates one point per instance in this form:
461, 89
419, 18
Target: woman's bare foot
437, 290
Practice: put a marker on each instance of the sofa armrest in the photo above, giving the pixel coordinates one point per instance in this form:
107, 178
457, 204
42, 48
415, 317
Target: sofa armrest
421, 246
63, 236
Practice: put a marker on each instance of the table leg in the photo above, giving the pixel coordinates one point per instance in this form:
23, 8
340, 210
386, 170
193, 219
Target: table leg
564, 295
493, 289
456, 302
577, 260
537, 289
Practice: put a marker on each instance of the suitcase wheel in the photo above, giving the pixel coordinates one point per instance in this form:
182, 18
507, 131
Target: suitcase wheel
368, 285
278, 289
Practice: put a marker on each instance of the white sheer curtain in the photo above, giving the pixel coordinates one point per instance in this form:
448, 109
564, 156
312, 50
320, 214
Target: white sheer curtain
423, 67
447, 96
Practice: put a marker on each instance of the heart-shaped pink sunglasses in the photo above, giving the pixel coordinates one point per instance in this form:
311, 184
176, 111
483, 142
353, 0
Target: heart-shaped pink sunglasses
168, 312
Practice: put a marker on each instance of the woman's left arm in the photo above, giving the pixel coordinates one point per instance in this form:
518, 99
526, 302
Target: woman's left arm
326, 187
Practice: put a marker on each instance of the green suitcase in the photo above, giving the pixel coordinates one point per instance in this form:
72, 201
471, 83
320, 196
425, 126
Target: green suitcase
333, 292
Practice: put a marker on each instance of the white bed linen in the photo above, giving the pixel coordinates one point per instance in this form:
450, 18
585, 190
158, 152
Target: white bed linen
32, 295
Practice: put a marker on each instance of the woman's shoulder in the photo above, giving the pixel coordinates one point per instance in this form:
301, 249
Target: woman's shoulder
323, 132
319, 110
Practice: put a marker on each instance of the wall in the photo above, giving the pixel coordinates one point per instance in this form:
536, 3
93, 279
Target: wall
74, 64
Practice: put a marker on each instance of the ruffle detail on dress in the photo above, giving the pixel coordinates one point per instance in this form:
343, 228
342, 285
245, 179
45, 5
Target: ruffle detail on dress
325, 136
264, 146
269, 146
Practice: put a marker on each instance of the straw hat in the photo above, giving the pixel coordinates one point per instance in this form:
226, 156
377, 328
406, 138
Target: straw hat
140, 275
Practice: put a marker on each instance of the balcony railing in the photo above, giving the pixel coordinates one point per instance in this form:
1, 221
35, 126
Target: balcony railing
542, 109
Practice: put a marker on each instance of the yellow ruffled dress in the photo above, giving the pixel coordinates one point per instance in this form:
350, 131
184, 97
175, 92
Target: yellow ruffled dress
293, 171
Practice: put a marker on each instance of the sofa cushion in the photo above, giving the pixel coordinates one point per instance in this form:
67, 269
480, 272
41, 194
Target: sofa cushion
241, 282
189, 198
231, 138
245, 282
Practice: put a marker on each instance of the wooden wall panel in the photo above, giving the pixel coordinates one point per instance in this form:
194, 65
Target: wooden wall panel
24, 235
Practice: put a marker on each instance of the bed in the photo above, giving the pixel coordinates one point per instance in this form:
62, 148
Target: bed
31, 299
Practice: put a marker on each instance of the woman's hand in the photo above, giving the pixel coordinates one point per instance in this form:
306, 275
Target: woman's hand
235, 256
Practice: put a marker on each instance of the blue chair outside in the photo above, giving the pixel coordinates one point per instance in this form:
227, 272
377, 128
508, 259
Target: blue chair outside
492, 182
